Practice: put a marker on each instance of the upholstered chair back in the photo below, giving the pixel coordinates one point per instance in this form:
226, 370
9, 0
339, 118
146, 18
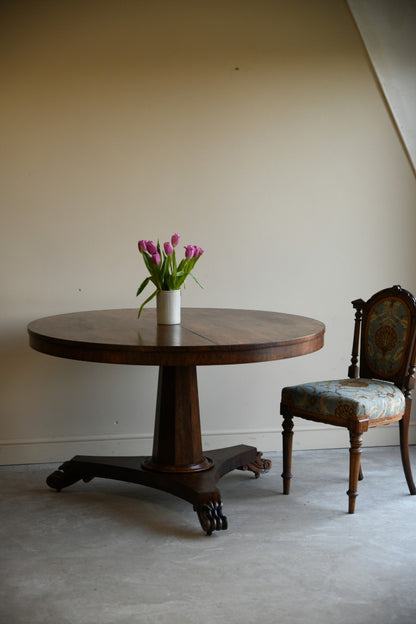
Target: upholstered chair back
388, 337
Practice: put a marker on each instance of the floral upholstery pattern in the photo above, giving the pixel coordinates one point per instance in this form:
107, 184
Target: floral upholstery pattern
346, 399
387, 329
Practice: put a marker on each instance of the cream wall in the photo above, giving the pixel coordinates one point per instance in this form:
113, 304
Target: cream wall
254, 129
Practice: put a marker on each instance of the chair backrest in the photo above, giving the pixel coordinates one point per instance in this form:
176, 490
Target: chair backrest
388, 337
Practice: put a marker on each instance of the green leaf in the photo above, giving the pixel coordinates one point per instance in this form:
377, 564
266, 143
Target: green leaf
142, 286
194, 278
147, 301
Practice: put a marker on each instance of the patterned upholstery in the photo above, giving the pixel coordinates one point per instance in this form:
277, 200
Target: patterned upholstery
387, 333
347, 399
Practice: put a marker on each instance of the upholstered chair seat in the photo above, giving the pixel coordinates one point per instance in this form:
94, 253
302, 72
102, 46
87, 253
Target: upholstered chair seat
347, 399
378, 389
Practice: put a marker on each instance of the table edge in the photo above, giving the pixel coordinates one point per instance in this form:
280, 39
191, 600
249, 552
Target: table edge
154, 355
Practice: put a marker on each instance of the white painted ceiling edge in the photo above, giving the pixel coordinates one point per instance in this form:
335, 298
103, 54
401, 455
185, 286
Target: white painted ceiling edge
388, 29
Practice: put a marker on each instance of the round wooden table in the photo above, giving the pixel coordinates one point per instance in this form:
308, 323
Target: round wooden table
206, 336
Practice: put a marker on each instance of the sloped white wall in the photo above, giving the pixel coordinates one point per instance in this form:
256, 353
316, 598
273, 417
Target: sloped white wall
389, 33
254, 129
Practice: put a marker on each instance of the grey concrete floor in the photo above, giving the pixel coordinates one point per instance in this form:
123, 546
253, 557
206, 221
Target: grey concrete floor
106, 552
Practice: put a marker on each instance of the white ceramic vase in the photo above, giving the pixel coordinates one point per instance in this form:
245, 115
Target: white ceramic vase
168, 307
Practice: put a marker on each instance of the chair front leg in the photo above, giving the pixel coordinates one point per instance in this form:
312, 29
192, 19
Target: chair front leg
355, 464
287, 435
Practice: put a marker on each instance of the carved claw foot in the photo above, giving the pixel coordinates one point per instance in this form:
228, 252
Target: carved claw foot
64, 477
259, 466
211, 517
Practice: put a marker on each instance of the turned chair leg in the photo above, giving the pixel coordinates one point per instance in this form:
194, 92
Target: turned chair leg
287, 435
355, 464
404, 450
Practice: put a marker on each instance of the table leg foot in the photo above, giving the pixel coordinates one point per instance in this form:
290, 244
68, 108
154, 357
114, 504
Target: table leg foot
65, 476
258, 466
211, 517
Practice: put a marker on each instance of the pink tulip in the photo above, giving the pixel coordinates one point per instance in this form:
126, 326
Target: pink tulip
156, 258
142, 245
189, 252
175, 239
151, 247
200, 251
168, 248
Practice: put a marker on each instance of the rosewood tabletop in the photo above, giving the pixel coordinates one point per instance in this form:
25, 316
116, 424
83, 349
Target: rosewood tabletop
206, 336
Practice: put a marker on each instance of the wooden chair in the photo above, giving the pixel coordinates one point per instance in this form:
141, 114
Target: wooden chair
376, 393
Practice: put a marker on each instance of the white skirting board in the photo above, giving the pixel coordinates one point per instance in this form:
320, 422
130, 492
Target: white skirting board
307, 436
